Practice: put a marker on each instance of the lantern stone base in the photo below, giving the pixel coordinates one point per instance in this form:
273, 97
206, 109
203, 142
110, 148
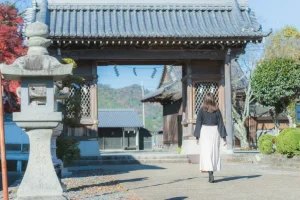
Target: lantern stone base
189, 146
35, 120
40, 180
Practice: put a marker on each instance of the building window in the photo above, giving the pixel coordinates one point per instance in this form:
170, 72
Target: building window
201, 89
78, 132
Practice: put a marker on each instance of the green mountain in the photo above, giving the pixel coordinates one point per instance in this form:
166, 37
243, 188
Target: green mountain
130, 97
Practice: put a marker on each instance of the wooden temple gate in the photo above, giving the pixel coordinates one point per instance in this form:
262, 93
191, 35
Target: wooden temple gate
202, 36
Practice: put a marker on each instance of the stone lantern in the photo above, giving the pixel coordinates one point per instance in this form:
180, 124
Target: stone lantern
37, 72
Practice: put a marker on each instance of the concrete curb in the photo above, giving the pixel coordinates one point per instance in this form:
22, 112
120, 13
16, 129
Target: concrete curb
264, 160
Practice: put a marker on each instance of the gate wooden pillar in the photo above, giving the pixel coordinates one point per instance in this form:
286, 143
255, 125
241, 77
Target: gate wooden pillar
189, 145
94, 100
222, 91
228, 100
184, 104
189, 99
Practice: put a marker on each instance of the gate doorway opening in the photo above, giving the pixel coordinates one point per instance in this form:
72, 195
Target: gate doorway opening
125, 123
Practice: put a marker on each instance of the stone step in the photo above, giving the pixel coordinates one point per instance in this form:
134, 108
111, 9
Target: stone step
127, 161
136, 157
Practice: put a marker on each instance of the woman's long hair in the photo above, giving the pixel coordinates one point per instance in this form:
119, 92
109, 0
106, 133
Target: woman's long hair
209, 104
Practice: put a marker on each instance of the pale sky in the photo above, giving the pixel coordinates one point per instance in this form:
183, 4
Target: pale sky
276, 14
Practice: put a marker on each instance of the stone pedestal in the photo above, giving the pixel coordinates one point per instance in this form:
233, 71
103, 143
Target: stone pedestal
40, 180
191, 149
189, 146
55, 134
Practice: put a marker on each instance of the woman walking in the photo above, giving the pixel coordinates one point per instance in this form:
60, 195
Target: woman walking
210, 129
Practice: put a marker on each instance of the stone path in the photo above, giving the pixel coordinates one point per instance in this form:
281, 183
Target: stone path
183, 181
180, 181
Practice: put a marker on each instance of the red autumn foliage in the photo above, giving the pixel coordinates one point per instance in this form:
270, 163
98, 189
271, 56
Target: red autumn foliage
11, 47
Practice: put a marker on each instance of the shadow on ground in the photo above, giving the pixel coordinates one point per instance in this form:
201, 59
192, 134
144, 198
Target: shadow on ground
236, 178
177, 198
110, 183
171, 182
112, 169
11, 178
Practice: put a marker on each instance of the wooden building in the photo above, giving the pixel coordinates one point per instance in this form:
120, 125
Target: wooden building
261, 122
118, 129
169, 94
202, 36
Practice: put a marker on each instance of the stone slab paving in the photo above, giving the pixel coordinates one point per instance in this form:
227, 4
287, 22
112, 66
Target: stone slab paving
183, 181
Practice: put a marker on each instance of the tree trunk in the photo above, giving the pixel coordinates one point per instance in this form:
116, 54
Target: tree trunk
241, 134
291, 121
240, 128
274, 116
288, 114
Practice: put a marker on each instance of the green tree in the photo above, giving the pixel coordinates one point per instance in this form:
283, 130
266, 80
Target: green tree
276, 82
284, 43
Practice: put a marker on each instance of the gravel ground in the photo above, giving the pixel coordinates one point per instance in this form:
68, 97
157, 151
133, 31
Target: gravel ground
95, 185
91, 185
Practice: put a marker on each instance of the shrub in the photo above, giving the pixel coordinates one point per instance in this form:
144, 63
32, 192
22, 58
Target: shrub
67, 149
288, 142
265, 143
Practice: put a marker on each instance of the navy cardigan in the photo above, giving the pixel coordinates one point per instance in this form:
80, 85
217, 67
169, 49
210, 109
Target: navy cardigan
210, 119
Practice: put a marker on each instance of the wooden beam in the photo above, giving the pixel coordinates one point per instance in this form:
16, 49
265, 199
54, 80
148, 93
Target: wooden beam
203, 77
2, 147
141, 54
138, 62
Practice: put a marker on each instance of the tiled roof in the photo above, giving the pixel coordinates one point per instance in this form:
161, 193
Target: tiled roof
170, 86
118, 118
159, 19
168, 92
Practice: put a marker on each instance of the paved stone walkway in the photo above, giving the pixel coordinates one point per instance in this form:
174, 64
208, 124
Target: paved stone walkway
183, 181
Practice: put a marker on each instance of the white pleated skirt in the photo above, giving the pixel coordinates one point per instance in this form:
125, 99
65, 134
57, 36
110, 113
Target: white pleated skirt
210, 149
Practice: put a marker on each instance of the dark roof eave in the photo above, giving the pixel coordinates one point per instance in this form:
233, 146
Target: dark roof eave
216, 38
163, 98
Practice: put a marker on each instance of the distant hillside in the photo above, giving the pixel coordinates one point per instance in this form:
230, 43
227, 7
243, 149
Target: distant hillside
130, 97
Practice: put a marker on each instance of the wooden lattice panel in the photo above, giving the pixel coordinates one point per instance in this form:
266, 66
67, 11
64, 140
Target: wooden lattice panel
201, 89
82, 94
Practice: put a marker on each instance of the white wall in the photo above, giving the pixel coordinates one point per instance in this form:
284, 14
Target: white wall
89, 148
14, 134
